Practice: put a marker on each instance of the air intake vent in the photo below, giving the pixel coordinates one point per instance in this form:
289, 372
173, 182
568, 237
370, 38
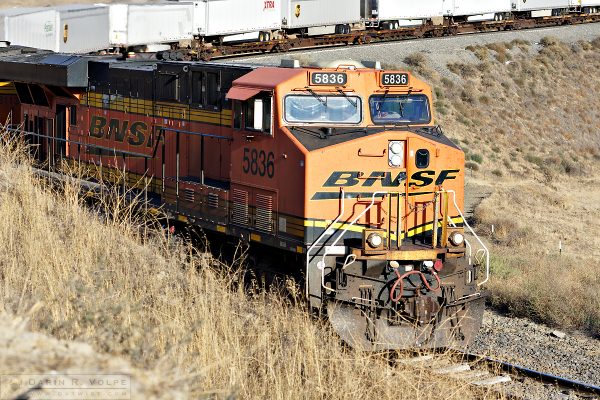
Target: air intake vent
213, 200
264, 213
189, 195
239, 214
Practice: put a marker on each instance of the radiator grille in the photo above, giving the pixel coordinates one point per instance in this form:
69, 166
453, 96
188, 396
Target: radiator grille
240, 207
264, 213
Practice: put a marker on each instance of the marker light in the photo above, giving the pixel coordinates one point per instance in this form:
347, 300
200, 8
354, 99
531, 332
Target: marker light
457, 238
375, 240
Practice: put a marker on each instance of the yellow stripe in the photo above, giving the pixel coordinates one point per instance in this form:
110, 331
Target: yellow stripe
158, 109
360, 229
7, 88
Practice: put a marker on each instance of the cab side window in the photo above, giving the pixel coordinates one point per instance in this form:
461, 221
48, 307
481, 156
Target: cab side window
258, 114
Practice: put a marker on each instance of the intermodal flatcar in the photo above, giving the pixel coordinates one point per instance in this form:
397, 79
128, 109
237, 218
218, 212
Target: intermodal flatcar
338, 173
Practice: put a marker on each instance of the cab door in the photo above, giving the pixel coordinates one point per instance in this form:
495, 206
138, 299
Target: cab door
420, 189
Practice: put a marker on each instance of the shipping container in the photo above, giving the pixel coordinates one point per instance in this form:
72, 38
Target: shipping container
538, 5
477, 9
319, 13
406, 10
82, 28
143, 24
231, 17
32, 27
402, 13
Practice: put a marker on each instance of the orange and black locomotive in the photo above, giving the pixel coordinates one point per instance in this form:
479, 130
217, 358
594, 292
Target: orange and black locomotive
338, 171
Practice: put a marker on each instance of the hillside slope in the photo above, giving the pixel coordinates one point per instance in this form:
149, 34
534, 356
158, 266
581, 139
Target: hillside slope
528, 118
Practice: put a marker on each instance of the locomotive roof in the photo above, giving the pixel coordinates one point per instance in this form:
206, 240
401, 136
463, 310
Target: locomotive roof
23, 64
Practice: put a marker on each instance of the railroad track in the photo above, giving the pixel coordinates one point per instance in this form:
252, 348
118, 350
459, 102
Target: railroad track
207, 52
488, 372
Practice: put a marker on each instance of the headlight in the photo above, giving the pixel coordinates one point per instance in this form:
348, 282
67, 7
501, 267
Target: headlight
396, 148
375, 240
457, 238
396, 153
395, 161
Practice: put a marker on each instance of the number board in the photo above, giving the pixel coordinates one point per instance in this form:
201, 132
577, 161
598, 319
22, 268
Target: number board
329, 78
394, 79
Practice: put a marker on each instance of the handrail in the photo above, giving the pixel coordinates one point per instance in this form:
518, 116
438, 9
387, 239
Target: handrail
484, 247
342, 198
321, 264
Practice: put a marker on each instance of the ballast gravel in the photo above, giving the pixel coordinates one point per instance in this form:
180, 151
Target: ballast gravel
520, 341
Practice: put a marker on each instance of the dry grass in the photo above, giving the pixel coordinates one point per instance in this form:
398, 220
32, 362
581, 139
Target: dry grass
532, 121
170, 310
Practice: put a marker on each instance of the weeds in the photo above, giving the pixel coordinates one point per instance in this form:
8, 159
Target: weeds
168, 308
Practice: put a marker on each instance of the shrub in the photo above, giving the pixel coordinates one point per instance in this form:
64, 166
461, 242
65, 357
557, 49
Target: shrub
417, 60
472, 166
549, 41
447, 82
534, 160
478, 158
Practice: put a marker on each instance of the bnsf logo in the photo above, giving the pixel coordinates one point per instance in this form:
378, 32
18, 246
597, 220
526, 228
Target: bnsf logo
135, 134
386, 179
269, 4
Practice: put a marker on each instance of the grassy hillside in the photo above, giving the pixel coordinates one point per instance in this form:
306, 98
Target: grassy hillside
528, 117
170, 310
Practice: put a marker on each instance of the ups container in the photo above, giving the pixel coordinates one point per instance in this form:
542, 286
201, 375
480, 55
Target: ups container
231, 17
32, 27
143, 24
479, 9
319, 13
82, 28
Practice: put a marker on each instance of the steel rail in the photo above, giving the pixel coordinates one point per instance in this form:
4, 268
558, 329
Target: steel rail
543, 377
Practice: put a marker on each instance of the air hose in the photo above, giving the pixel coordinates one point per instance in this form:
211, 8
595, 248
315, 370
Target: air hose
400, 281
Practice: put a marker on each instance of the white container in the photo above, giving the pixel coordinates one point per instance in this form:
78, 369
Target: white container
477, 9
32, 27
319, 13
531, 5
233, 17
82, 28
393, 10
144, 24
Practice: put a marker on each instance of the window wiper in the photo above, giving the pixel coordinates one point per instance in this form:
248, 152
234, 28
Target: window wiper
316, 96
354, 103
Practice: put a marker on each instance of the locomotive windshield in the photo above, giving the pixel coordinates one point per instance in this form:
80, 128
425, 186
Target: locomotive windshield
323, 109
400, 109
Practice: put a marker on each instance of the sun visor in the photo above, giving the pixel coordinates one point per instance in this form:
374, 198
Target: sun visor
242, 93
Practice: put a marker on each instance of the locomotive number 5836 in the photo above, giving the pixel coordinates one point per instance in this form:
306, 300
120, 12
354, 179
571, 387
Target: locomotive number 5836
257, 162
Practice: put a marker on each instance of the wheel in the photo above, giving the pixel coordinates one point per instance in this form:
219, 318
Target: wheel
396, 25
347, 29
268, 36
385, 26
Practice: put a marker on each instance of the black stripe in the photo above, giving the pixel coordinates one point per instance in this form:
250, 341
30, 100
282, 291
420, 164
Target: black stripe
354, 195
